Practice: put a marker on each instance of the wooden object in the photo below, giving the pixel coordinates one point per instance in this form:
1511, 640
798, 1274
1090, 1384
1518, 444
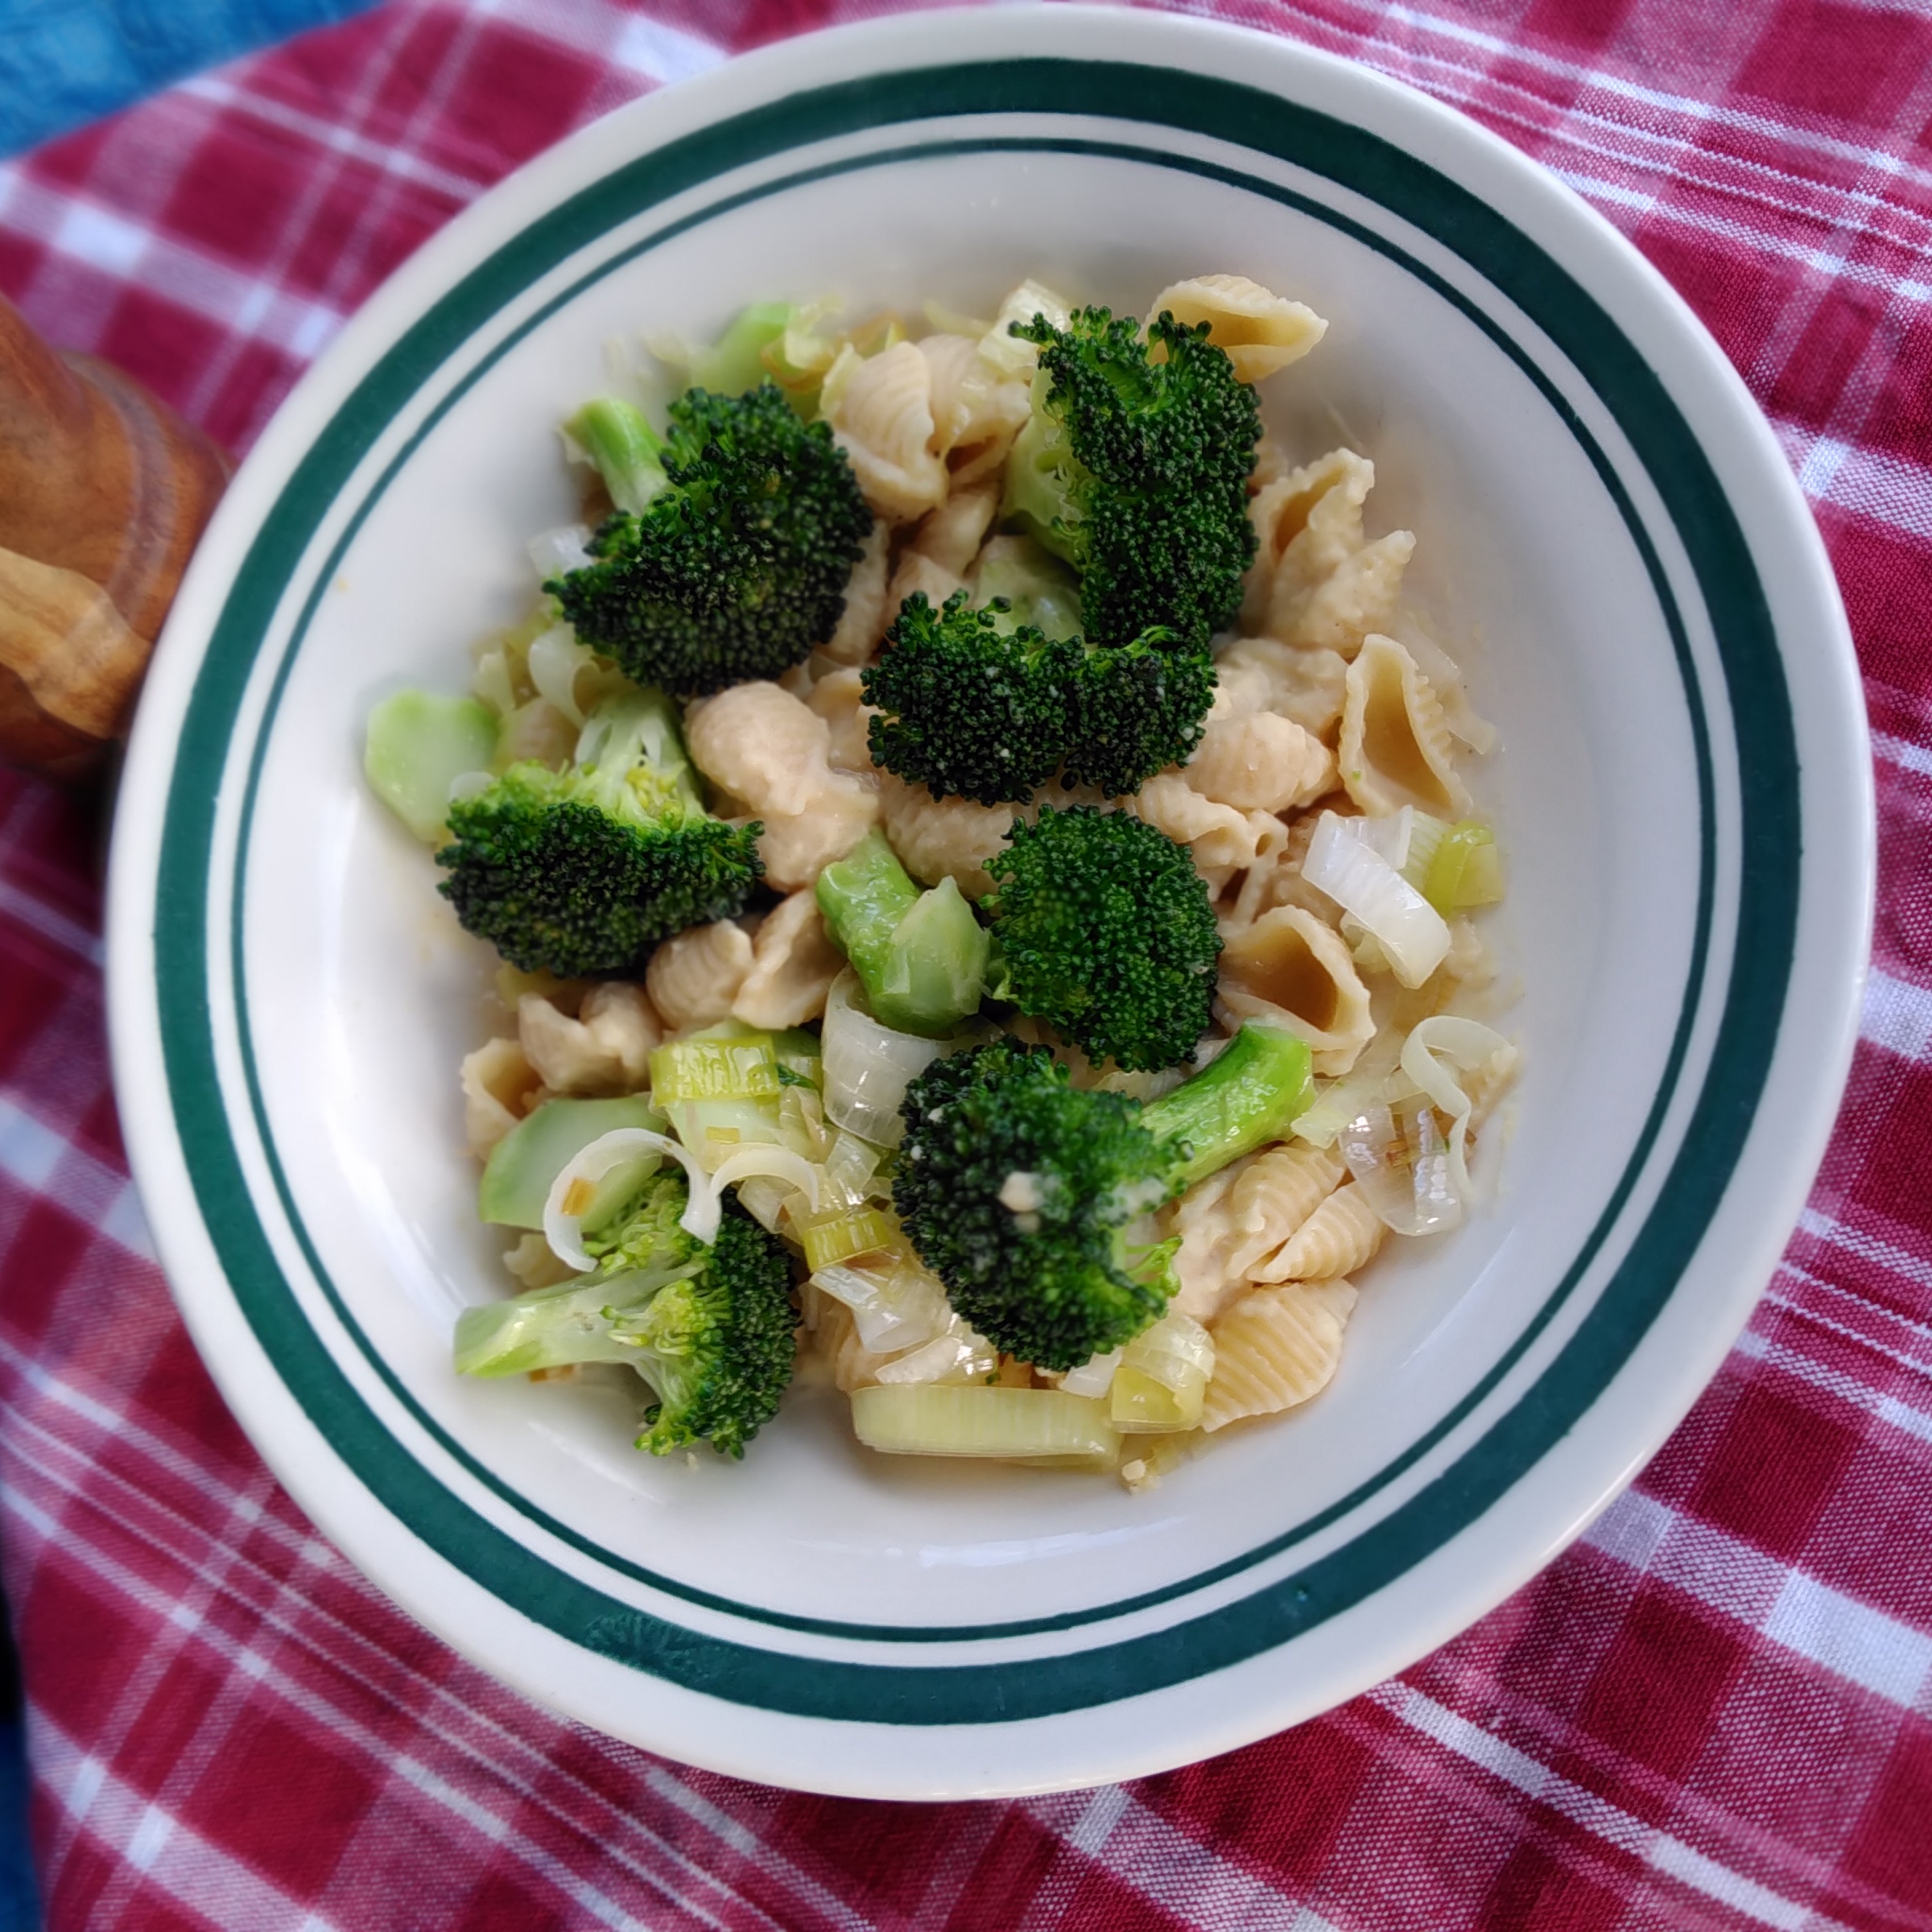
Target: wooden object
103, 492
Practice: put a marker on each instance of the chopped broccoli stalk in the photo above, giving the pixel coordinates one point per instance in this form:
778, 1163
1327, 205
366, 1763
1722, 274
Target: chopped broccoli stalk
710, 1329
1037, 588
969, 708
1134, 467
921, 955
582, 872
522, 1166
970, 704
1107, 933
1031, 1201
737, 566
627, 453
418, 745
1251, 1093
736, 361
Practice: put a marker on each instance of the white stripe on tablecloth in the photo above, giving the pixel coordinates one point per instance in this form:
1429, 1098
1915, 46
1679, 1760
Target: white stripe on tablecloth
1661, 1850
1867, 1247
535, 1791
1902, 753
1897, 1015
37, 1157
1136, 1847
1696, 113
167, 1853
1888, 1408
1855, 1641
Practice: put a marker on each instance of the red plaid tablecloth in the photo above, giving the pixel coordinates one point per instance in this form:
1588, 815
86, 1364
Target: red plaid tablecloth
1716, 1712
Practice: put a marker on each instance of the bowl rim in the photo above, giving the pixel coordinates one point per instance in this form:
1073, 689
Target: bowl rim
856, 58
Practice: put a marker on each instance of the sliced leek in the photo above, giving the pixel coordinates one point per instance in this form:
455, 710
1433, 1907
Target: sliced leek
843, 1234
714, 1070
1465, 870
1162, 1379
1011, 1425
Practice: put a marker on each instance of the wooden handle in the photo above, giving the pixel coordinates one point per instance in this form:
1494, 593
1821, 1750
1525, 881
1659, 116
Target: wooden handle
103, 492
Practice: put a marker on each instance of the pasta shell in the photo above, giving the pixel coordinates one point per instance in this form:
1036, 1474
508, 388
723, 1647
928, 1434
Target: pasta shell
499, 1084
1396, 748
1254, 896
1316, 582
880, 408
862, 624
1201, 1218
946, 838
1271, 462
794, 963
533, 1264
1275, 1193
761, 745
604, 1049
919, 571
693, 977
1358, 596
1317, 507
952, 534
1290, 968
975, 405
1275, 1348
796, 846
1341, 1234
1307, 686
1262, 762
1261, 332
1221, 839
839, 698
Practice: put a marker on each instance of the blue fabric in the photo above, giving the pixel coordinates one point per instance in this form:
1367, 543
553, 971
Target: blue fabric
19, 1894
63, 62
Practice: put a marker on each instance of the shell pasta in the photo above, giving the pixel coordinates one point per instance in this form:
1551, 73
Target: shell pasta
982, 848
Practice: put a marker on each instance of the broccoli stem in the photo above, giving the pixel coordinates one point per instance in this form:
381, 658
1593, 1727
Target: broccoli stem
629, 454
736, 361
922, 956
1251, 1093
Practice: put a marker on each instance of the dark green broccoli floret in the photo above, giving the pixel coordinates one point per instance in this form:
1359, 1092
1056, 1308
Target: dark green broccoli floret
1031, 1201
737, 566
1136, 709
709, 1328
991, 710
1107, 934
969, 708
1134, 467
583, 871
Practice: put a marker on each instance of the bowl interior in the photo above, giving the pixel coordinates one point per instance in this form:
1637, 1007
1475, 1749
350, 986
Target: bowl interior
363, 995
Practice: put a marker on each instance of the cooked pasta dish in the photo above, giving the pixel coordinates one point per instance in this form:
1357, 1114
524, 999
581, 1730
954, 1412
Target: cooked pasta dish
986, 888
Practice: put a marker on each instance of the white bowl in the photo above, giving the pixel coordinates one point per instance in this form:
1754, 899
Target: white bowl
1606, 527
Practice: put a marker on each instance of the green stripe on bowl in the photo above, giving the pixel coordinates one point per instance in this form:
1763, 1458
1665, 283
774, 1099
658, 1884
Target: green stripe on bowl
1754, 999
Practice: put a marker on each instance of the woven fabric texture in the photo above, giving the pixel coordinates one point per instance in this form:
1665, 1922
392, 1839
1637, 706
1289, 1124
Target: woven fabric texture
1715, 1711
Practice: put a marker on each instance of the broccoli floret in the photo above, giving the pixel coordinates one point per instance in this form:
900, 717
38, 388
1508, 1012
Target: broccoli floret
709, 1328
1137, 708
583, 871
1134, 468
974, 705
922, 956
738, 565
969, 708
1107, 934
1031, 1201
